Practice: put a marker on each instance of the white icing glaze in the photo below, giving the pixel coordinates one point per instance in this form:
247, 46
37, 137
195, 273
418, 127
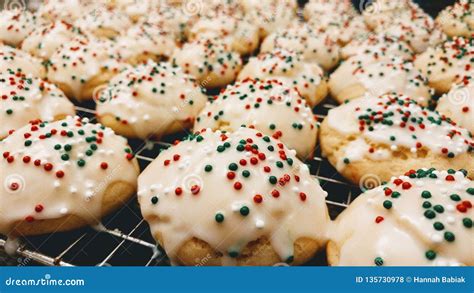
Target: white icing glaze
14, 59
24, 99
209, 60
443, 138
458, 104
42, 179
315, 9
268, 106
152, 98
78, 61
298, 211
15, 25
44, 40
287, 67
68, 10
388, 76
312, 45
408, 221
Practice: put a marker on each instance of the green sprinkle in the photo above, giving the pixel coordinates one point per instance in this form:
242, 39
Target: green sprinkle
378, 261
426, 194
430, 214
438, 226
467, 222
430, 254
244, 211
449, 236
81, 163
154, 200
387, 204
219, 218
208, 168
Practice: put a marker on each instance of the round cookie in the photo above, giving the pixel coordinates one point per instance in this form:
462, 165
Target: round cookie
312, 45
239, 34
169, 19
270, 16
62, 175
458, 19
382, 136
102, 22
268, 106
25, 99
15, 25
384, 12
344, 28
458, 104
307, 78
234, 192
379, 46
44, 40
354, 80
68, 10
429, 211
150, 100
80, 66
146, 41
17, 60
317, 9
447, 63
210, 61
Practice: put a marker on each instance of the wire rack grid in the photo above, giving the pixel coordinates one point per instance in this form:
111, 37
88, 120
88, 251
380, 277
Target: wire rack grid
124, 238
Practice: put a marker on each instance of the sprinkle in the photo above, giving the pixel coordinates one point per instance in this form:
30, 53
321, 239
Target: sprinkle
378, 261
244, 211
219, 218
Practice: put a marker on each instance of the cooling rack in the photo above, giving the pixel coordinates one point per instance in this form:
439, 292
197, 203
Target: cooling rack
124, 237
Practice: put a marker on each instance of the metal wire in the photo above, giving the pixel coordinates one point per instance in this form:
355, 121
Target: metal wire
71, 253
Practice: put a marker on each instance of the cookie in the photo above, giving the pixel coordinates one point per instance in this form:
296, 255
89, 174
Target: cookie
458, 19
234, 192
15, 25
62, 175
307, 78
25, 99
320, 48
268, 106
385, 135
270, 16
447, 63
458, 104
315, 9
384, 12
80, 66
354, 79
379, 46
17, 60
427, 210
240, 35
146, 41
44, 40
103, 23
68, 10
210, 61
150, 101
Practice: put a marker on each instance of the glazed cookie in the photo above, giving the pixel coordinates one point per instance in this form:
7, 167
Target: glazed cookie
344, 28
25, 99
447, 63
458, 19
429, 211
382, 136
15, 25
458, 104
268, 106
312, 45
316, 9
146, 41
270, 15
384, 12
68, 10
151, 100
135, 9
261, 188
169, 19
103, 22
44, 40
355, 80
212, 62
307, 78
62, 175
239, 34
16, 60
79, 66
379, 46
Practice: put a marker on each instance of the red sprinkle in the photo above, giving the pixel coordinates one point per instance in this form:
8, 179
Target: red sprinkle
195, 189
238, 185
406, 185
302, 196
60, 174
450, 178
379, 219
178, 191
48, 166
258, 198
29, 219
38, 208
275, 193
104, 165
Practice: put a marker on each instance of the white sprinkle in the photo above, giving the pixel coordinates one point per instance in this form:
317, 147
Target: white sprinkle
63, 211
259, 224
436, 238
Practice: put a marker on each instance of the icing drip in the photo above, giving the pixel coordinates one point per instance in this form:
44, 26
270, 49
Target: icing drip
263, 190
